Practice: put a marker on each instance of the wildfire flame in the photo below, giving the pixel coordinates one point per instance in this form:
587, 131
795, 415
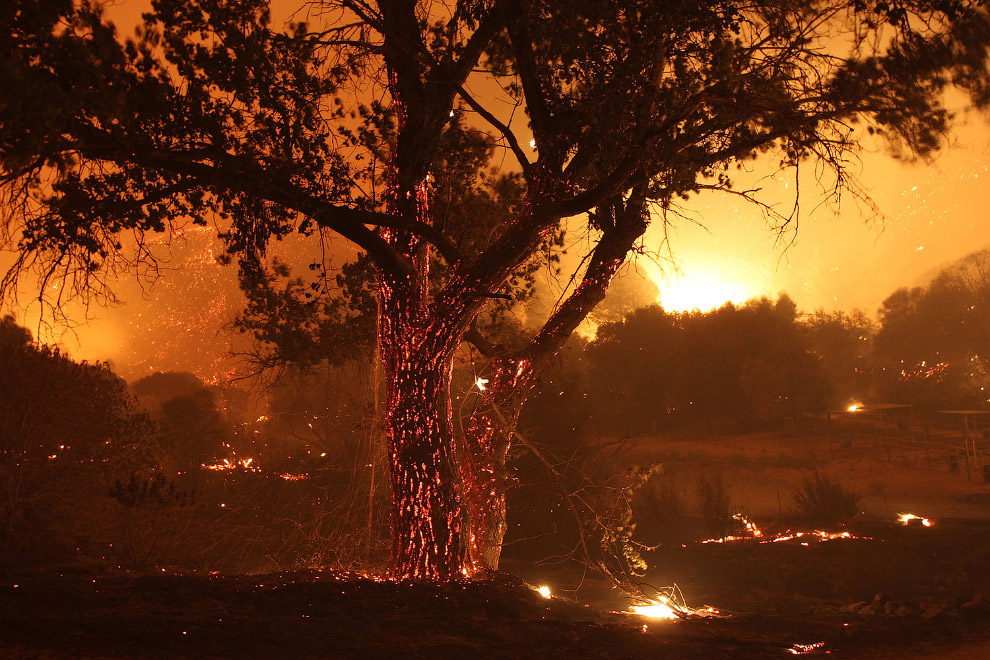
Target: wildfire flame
232, 464
906, 518
481, 382
544, 591
655, 610
668, 604
749, 525
853, 407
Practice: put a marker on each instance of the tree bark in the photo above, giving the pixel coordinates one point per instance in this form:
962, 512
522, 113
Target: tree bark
488, 437
425, 510
484, 472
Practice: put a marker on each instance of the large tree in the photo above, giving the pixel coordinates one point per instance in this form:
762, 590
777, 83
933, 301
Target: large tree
211, 114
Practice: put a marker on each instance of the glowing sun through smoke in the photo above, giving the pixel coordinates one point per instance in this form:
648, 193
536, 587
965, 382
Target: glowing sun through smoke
701, 290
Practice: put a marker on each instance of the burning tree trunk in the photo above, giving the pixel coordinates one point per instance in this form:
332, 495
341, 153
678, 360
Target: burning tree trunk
488, 438
416, 352
426, 513
489, 434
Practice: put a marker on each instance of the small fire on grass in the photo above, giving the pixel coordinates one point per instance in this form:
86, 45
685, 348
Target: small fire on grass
755, 533
248, 465
655, 610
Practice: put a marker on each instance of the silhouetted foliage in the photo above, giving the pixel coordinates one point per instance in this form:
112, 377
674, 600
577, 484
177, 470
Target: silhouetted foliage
842, 343
151, 492
825, 501
932, 348
189, 418
655, 369
65, 428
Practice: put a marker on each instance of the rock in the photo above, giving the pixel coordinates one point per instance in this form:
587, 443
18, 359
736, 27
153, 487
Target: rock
904, 610
934, 609
866, 611
888, 608
879, 601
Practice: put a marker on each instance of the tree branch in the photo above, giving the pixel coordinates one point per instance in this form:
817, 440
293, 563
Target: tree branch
631, 221
235, 178
536, 101
503, 130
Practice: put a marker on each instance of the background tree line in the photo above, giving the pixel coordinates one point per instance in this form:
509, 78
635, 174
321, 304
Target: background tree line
764, 360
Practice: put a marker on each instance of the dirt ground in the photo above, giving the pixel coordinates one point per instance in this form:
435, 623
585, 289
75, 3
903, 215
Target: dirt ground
890, 591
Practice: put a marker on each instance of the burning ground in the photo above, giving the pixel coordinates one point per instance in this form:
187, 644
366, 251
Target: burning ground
891, 591
881, 586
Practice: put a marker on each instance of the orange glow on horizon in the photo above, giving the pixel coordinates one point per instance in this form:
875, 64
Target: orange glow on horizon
700, 290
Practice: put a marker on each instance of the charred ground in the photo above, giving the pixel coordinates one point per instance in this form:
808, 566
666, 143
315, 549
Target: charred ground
771, 596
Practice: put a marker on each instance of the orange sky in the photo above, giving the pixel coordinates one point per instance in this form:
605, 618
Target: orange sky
932, 213
929, 214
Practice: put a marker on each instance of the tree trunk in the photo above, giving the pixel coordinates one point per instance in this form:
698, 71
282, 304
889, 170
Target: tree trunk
426, 512
489, 434
483, 469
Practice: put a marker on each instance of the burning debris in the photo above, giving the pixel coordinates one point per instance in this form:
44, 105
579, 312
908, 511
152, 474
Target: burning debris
910, 518
661, 609
669, 604
803, 649
248, 465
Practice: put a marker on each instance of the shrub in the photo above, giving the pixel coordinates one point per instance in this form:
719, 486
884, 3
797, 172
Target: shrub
661, 513
146, 526
715, 506
821, 500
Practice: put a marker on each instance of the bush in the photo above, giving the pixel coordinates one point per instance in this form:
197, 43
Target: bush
67, 430
824, 501
714, 498
146, 527
660, 513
